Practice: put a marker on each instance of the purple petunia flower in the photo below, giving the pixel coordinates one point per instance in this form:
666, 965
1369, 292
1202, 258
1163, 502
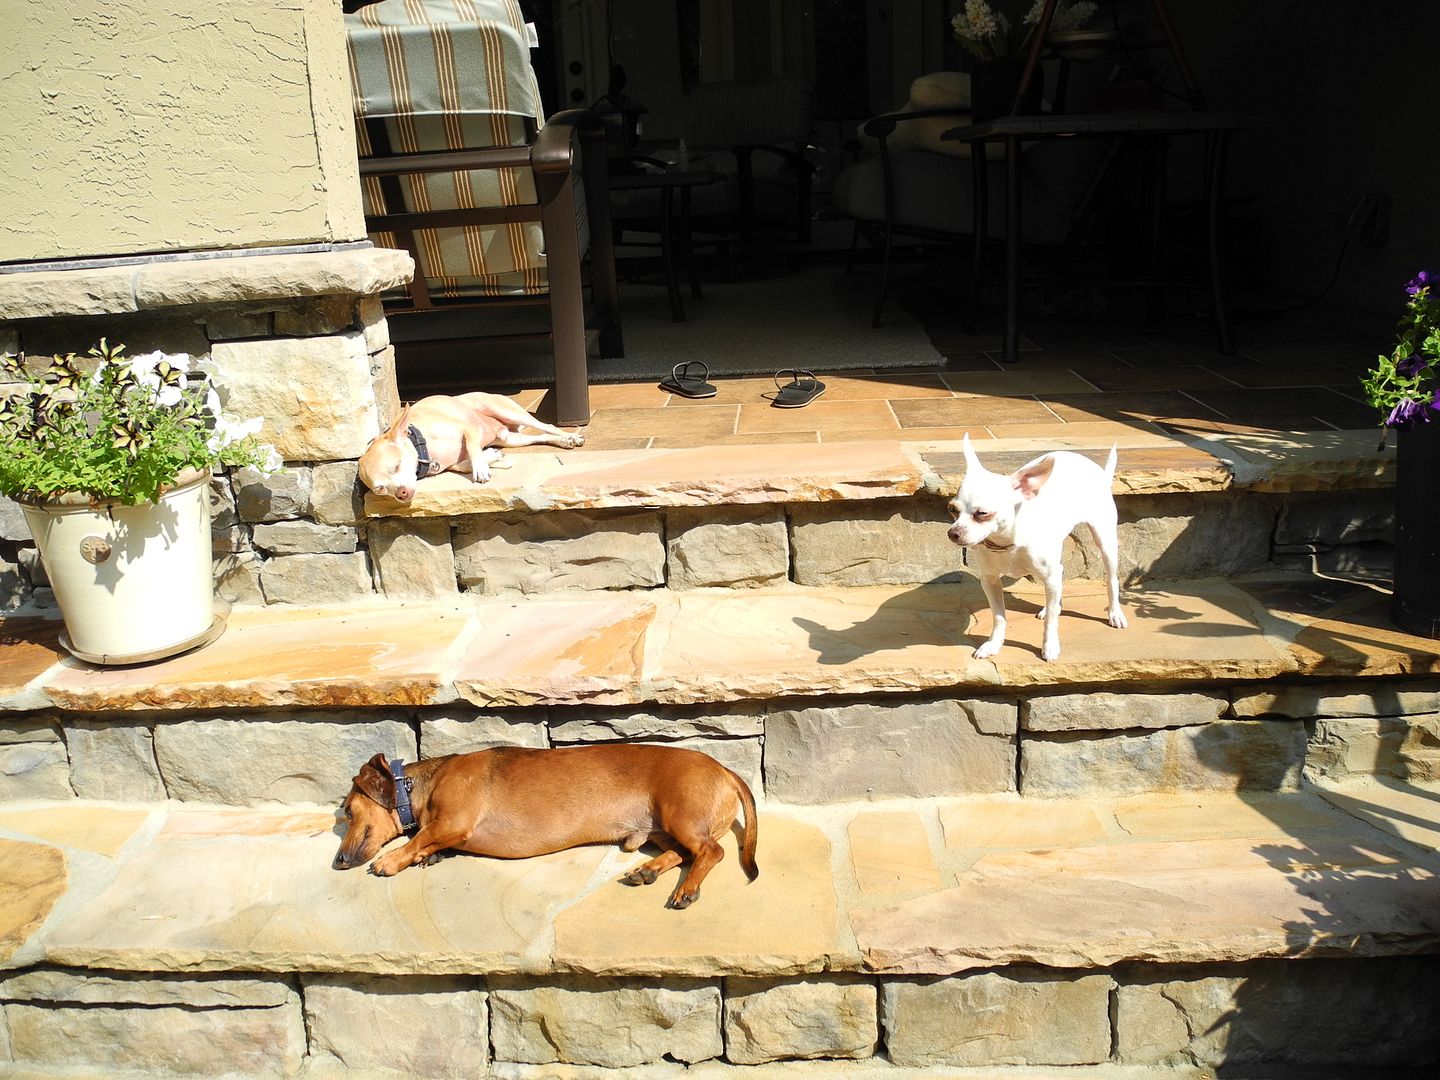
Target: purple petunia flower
1412, 365
1408, 411
1423, 280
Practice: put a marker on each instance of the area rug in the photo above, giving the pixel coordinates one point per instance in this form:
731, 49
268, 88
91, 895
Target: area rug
817, 318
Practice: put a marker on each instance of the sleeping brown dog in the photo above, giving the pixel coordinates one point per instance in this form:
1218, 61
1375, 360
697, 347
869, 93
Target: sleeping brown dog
512, 803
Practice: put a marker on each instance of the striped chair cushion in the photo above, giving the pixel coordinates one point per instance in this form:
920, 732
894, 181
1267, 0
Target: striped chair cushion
449, 75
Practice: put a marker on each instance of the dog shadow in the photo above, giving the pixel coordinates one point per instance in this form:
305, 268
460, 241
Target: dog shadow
940, 612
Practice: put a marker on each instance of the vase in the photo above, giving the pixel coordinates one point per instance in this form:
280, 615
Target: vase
1415, 606
134, 583
993, 85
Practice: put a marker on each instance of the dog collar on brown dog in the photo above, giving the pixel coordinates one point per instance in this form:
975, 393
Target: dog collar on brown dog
997, 547
403, 783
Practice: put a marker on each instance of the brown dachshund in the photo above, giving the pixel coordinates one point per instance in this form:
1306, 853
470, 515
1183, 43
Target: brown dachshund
513, 803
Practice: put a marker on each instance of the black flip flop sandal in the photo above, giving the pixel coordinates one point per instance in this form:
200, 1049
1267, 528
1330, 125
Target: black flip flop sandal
802, 389
682, 381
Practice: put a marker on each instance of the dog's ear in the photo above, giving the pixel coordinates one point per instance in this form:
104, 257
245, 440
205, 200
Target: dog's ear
972, 463
376, 781
398, 428
1031, 477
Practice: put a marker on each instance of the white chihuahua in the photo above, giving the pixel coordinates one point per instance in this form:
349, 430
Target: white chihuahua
1016, 526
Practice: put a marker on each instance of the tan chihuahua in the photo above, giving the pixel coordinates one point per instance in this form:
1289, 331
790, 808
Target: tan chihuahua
467, 433
513, 803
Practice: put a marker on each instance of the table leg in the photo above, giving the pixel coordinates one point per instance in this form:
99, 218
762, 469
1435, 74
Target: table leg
1215, 184
1011, 352
1157, 152
980, 223
667, 253
688, 241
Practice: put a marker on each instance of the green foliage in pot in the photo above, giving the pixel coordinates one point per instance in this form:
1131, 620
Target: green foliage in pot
115, 427
1405, 386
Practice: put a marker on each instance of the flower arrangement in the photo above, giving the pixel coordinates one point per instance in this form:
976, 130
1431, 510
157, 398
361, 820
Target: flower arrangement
992, 35
115, 427
1405, 386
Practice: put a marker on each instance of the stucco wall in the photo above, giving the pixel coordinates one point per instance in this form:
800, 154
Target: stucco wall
159, 125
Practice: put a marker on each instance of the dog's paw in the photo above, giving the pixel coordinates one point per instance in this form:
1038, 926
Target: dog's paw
1050, 651
680, 899
573, 440
641, 875
387, 866
989, 649
431, 860
1118, 619
1041, 613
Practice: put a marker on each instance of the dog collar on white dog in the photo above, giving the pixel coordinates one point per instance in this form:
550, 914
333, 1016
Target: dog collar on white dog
997, 547
423, 466
408, 824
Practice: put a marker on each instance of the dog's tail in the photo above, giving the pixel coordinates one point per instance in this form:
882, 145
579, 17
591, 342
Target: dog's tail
752, 827
1110, 463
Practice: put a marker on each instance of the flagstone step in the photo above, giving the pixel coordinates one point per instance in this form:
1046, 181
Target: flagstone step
1154, 930
723, 645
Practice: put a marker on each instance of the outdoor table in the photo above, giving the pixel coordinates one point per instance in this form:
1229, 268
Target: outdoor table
674, 228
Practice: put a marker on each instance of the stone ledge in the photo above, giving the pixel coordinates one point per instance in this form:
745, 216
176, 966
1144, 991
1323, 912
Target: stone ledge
1170, 879
118, 290
1148, 465
719, 645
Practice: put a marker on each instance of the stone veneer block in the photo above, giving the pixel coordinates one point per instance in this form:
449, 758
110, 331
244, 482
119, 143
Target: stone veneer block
992, 1019
305, 538
113, 759
1164, 901
1324, 519
1100, 711
1326, 1014
315, 394
227, 325
466, 731
1224, 756
105, 291
425, 1026
322, 315
285, 657
1175, 536
316, 579
614, 1023
164, 1038
1339, 700
890, 853
733, 547
33, 763
879, 750
1405, 749
334, 495
254, 760
782, 923
237, 578
590, 725
120, 988
371, 312
13, 525
561, 552
413, 559
669, 477
877, 543
776, 1019
281, 496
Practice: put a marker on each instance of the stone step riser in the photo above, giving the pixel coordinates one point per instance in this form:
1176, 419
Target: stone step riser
1305, 1016
887, 541
807, 751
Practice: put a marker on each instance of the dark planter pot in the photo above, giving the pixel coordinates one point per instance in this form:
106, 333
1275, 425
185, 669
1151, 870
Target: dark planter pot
1416, 604
993, 85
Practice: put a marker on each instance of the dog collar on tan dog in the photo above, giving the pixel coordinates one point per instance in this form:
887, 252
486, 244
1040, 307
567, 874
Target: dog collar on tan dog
424, 466
987, 542
403, 783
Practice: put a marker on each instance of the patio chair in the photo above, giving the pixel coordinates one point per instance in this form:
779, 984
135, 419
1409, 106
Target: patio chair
497, 205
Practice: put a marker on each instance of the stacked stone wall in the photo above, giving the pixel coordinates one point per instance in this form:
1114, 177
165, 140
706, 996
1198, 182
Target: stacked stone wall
1327, 1014
799, 751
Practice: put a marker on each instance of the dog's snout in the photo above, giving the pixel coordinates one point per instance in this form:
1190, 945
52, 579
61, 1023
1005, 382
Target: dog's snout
404, 494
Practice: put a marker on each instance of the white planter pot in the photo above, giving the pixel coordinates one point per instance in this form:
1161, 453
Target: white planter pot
134, 583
